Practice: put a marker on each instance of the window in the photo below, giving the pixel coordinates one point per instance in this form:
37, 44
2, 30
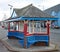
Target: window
21, 26
13, 26
35, 27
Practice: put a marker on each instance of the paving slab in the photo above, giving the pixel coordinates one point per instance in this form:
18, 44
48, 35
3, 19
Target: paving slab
13, 45
3, 33
2, 47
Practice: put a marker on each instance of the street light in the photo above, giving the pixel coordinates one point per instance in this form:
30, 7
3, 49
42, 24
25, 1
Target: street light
10, 6
10, 9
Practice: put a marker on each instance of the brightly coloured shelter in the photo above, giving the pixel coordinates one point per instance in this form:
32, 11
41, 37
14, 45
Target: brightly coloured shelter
23, 24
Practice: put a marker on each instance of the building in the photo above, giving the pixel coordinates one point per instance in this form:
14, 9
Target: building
54, 11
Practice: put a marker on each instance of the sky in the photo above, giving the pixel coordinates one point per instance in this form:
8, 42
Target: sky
41, 4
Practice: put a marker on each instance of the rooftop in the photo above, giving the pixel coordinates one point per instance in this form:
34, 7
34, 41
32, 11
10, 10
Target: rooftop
54, 8
30, 11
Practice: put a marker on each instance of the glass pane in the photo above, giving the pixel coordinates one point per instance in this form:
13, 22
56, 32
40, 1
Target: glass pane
21, 26
36, 27
30, 29
13, 26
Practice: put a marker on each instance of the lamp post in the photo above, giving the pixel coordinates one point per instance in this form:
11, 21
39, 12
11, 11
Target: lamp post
10, 9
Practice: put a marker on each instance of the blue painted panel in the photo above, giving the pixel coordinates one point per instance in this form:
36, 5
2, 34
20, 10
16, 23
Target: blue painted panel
38, 38
32, 39
16, 34
38, 18
33, 18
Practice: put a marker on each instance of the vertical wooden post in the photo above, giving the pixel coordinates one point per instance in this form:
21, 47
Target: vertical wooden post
25, 32
25, 27
40, 26
48, 31
8, 26
33, 26
29, 27
18, 26
48, 28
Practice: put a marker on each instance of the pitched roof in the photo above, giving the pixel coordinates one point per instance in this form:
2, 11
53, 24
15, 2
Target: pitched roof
54, 8
31, 11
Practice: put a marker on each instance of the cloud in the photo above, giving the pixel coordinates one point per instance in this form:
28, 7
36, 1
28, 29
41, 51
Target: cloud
4, 8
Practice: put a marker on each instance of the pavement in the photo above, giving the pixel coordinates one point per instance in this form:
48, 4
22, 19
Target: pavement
3, 34
54, 38
3, 48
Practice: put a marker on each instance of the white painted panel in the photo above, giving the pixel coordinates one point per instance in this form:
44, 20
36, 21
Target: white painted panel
14, 14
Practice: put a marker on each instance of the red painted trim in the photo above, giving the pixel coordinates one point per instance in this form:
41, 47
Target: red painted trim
8, 26
48, 30
25, 29
36, 34
14, 30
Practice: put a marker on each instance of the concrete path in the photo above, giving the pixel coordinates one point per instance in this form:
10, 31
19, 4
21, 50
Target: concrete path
3, 33
3, 48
